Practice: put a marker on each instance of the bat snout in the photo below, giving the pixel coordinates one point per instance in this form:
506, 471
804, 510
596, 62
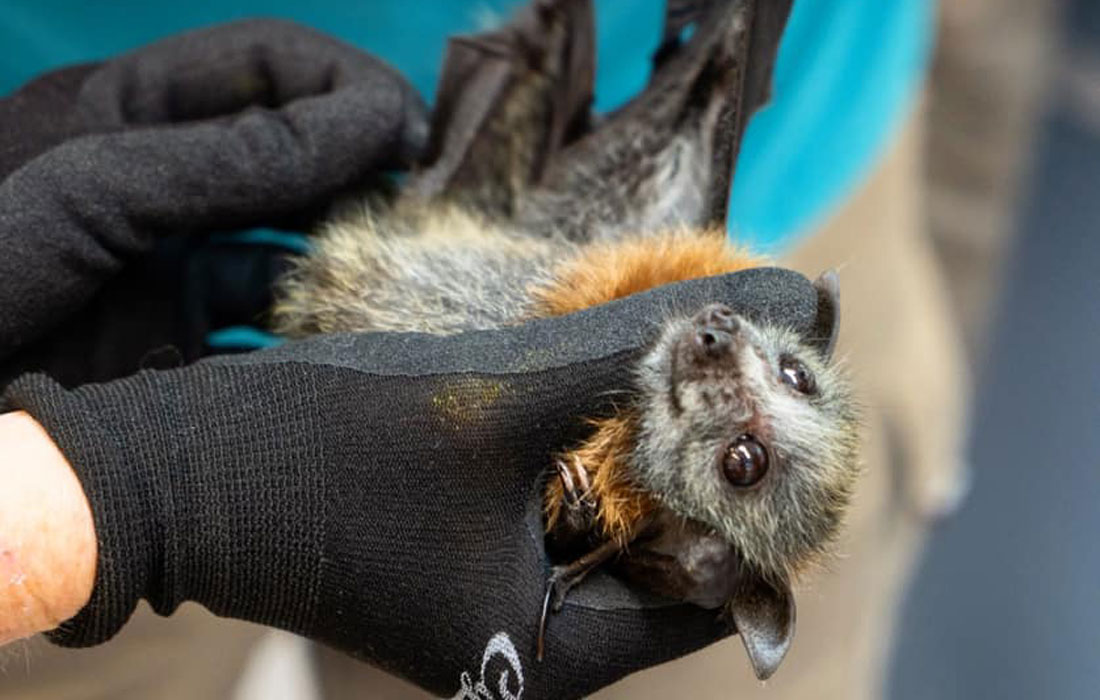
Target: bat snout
716, 330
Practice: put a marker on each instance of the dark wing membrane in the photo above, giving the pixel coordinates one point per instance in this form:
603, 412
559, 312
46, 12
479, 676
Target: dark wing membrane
734, 43
507, 100
667, 156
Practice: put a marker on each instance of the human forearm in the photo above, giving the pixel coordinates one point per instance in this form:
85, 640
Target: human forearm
47, 537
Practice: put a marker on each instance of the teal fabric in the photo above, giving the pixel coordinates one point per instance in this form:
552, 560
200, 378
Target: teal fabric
847, 72
242, 338
293, 242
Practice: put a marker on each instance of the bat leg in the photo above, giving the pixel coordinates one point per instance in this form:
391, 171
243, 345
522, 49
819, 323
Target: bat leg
580, 502
564, 578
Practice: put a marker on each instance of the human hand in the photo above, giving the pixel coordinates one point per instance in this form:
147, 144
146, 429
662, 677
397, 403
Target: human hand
382, 493
113, 174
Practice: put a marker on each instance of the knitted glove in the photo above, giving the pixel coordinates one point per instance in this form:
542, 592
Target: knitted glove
112, 174
381, 493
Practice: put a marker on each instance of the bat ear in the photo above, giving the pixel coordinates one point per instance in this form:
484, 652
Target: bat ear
827, 325
764, 614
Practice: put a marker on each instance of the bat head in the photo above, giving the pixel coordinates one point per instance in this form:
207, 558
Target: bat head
750, 431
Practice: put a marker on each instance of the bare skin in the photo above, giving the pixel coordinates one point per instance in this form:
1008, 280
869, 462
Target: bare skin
47, 536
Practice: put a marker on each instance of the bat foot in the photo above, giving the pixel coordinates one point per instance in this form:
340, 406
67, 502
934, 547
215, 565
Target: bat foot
580, 503
563, 579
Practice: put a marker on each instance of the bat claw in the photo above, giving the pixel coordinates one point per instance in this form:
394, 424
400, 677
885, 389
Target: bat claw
561, 581
569, 488
580, 504
540, 646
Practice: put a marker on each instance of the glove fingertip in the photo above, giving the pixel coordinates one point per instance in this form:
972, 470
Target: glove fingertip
614, 643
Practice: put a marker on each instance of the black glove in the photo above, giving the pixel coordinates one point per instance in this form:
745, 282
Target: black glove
111, 172
381, 493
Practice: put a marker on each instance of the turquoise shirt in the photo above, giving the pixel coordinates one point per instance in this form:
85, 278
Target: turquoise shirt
846, 75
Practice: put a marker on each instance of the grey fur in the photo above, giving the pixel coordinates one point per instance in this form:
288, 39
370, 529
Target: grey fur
434, 269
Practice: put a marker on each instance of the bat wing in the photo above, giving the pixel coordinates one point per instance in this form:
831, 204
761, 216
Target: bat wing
507, 100
687, 567
666, 158
724, 65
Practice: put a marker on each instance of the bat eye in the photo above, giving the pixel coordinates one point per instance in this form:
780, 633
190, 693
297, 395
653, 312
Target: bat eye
745, 461
797, 375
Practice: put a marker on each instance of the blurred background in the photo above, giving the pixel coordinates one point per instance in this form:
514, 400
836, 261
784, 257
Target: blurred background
1005, 601
946, 158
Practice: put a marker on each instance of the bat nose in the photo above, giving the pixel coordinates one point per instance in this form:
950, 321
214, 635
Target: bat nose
715, 328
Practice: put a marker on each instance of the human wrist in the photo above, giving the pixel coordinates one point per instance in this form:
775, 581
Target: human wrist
48, 543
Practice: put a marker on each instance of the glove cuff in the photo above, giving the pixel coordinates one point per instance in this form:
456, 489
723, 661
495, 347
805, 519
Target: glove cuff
204, 484
104, 459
